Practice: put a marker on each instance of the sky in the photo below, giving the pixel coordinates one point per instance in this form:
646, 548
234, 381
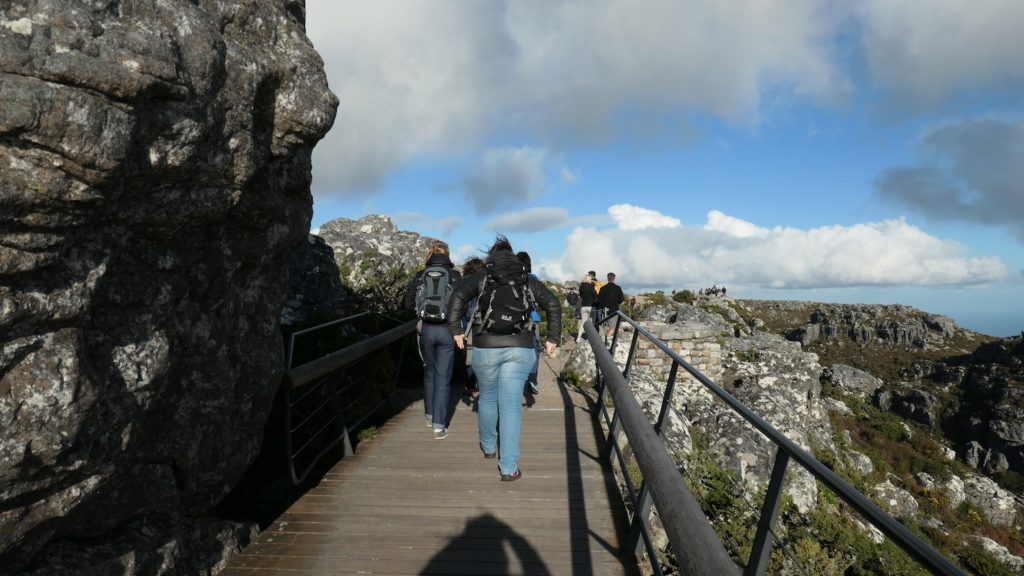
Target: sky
854, 152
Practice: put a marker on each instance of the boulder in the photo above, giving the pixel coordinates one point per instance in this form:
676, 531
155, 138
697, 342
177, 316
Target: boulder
156, 169
852, 381
996, 504
895, 500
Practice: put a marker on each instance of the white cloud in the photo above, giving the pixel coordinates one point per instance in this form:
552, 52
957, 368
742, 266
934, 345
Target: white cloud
505, 177
969, 171
926, 50
719, 222
629, 217
435, 79
443, 227
887, 253
530, 220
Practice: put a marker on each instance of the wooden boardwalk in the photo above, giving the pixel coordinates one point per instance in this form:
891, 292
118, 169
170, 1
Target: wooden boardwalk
409, 504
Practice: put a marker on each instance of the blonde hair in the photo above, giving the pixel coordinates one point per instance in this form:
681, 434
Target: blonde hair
587, 278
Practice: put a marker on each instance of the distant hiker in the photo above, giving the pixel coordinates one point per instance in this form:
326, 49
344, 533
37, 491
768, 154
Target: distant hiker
588, 299
531, 379
610, 298
503, 349
472, 266
428, 294
596, 314
572, 299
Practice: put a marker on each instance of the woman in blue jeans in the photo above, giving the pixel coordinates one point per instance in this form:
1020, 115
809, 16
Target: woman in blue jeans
503, 349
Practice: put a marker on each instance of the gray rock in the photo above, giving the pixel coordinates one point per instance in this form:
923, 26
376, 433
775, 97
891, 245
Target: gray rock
995, 503
316, 293
918, 405
1015, 563
852, 381
897, 501
155, 167
860, 462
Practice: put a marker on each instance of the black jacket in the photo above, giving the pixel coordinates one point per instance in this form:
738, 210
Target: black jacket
588, 294
470, 289
454, 277
610, 297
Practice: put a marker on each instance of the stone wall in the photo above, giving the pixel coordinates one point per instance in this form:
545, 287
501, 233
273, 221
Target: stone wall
696, 343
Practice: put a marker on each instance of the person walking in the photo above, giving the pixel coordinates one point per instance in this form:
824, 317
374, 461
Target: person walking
531, 379
610, 299
503, 350
428, 293
588, 299
470, 267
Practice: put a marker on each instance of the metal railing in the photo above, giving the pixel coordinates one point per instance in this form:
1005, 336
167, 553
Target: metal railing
697, 548
323, 398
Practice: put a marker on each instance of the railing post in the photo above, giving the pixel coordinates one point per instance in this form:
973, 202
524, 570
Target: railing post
667, 399
761, 551
637, 538
630, 356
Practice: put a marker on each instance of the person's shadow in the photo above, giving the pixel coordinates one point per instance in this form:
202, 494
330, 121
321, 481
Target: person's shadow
480, 549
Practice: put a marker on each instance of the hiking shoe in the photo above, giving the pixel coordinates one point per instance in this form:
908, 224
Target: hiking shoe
440, 434
511, 477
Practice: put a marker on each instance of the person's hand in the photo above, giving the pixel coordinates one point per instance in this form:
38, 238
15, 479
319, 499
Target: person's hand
551, 348
460, 341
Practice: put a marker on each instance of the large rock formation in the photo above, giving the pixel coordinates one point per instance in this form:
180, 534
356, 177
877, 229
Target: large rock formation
156, 166
376, 260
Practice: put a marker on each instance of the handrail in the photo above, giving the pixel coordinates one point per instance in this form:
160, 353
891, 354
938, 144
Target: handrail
318, 397
310, 371
677, 507
787, 449
291, 337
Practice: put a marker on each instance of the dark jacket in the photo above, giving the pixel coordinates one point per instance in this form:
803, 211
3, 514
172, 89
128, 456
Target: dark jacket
470, 289
610, 297
409, 301
588, 294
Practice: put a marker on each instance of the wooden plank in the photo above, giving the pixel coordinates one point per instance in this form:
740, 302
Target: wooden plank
409, 504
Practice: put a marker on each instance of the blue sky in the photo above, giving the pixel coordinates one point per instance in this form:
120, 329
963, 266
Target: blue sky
861, 152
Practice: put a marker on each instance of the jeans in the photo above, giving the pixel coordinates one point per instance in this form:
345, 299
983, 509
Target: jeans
584, 316
500, 375
437, 348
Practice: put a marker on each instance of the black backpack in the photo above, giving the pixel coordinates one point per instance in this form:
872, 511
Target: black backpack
433, 294
505, 299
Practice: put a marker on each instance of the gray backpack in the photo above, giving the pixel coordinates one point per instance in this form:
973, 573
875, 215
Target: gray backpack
433, 293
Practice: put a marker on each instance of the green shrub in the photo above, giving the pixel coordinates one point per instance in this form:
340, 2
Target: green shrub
685, 296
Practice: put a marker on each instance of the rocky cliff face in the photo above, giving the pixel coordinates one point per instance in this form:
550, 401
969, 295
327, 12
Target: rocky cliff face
878, 433
156, 167
316, 293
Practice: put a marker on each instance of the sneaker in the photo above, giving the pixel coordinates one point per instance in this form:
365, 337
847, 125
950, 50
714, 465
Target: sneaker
430, 421
488, 455
440, 434
511, 477
533, 387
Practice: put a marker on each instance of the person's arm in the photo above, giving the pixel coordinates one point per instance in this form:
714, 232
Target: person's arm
466, 290
549, 303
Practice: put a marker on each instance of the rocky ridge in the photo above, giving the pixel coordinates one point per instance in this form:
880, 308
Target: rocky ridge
786, 384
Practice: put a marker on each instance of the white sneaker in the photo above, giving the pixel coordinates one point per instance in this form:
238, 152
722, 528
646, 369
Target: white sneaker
440, 434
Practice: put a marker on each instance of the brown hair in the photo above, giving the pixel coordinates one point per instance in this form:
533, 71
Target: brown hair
472, 266
439, 248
